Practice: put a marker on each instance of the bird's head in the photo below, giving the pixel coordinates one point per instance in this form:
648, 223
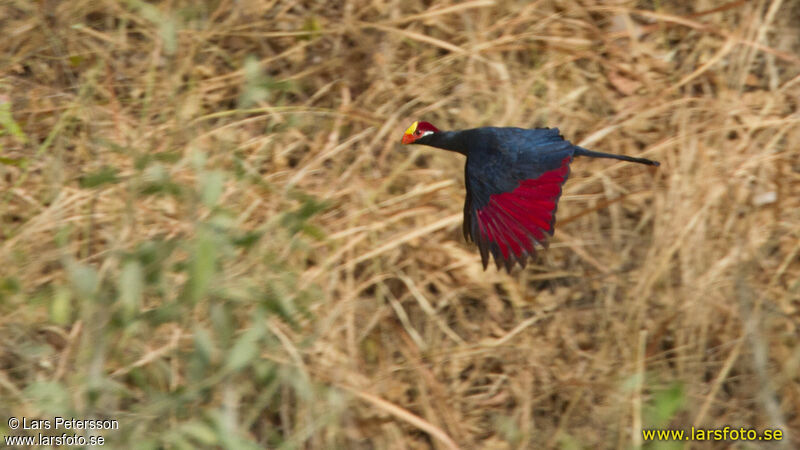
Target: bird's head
418, 130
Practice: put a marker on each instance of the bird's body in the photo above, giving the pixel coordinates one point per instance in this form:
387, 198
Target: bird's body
513, 178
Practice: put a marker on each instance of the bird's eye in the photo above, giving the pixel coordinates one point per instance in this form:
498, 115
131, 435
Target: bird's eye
418, 132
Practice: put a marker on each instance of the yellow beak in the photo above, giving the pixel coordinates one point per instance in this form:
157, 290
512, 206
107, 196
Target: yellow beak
408, 137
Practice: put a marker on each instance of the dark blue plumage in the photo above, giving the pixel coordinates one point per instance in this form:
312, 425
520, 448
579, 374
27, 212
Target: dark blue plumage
513, 178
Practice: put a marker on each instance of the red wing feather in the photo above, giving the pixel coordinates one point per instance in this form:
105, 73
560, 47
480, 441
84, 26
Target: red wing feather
512, 222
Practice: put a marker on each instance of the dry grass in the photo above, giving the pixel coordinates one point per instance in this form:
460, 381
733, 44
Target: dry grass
210, 233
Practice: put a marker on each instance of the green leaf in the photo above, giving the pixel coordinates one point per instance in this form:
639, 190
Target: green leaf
168, 29
279, 299
568, 442
247, 239
146, 10
296, 221
203, 344
200, 432
313, 27
8, 124
18, 162
156, 181
167, 26
84, 279
211, 190
106, 175
665, 404
198, 159
61, 306
166, 188
255, 87
244, 350
203, 265
168, 156
314, 232
48, 396
10, 285
76, 60
131, 286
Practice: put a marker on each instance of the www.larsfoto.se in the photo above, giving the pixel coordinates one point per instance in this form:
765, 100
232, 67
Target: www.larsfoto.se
712, 434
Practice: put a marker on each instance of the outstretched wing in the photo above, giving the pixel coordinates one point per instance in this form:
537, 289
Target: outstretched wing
513, 192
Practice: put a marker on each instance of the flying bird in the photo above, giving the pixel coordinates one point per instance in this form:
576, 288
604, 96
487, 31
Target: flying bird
513, 178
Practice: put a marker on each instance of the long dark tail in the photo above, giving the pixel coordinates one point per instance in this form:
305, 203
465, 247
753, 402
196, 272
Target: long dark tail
580, 151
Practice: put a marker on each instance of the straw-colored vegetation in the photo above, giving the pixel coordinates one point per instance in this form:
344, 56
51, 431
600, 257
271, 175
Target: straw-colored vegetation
209, 230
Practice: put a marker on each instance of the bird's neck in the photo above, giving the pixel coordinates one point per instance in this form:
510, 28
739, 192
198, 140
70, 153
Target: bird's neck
446, 140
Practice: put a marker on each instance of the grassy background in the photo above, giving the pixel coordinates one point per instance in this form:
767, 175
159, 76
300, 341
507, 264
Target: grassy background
209, 230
